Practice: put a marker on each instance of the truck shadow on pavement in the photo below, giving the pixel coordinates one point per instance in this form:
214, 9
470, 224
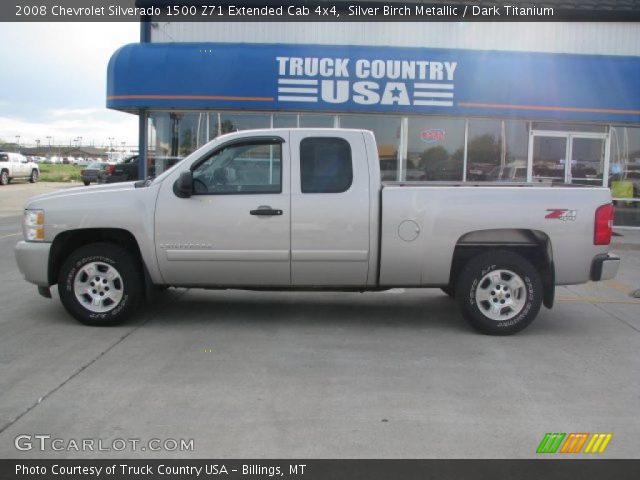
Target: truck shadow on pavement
331, 309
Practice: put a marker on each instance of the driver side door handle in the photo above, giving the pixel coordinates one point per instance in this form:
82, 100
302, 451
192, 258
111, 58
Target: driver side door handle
265, 211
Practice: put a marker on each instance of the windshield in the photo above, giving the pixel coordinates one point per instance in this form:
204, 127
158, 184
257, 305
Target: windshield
95, 166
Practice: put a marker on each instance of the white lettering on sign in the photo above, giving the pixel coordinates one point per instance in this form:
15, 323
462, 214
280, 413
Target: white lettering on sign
365, 81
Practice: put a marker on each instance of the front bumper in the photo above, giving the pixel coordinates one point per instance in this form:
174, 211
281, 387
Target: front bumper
604, 267
33, 261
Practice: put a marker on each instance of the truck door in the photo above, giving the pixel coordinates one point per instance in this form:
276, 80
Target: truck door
235, 228
329, 209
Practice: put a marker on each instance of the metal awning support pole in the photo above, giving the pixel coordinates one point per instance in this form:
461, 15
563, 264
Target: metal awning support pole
142, 144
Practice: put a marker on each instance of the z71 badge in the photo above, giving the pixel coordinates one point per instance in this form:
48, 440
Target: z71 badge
561, 214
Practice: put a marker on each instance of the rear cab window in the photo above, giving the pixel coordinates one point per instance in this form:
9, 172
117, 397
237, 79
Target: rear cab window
325, 165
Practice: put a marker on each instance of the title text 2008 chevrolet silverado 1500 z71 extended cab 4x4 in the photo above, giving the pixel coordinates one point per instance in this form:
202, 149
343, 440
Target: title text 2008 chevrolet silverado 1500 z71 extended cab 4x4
305, 209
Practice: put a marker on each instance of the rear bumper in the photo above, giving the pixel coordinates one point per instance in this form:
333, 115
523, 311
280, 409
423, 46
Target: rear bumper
33, 261
604, 267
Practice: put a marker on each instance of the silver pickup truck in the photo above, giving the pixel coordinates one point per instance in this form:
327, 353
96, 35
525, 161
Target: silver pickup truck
304, 209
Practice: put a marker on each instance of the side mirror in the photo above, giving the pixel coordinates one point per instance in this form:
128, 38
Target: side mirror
183, 187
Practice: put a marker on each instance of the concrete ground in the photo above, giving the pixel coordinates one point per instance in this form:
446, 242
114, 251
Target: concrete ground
332, 375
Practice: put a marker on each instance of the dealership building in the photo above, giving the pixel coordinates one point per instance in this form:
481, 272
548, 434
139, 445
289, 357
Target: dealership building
463, 101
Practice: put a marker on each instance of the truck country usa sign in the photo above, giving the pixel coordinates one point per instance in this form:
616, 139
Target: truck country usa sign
380, 79
366, 82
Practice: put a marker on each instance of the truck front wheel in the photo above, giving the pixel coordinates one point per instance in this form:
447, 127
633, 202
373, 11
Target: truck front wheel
100, 284
499, 292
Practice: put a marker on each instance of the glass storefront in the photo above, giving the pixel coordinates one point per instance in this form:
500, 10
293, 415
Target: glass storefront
484, 150
516, 147
233, 122
435, 149
316, 121
624, 175
386, 129
419, 148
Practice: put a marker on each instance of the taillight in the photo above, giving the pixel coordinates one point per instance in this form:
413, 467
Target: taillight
111, 169
603, 225
82, 172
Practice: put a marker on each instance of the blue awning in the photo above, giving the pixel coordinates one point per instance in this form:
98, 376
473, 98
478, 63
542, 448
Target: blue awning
357, 79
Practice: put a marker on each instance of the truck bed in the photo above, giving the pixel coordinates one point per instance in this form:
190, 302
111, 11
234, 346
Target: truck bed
441, 215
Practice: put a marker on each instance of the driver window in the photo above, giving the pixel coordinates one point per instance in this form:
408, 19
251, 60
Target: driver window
243, 168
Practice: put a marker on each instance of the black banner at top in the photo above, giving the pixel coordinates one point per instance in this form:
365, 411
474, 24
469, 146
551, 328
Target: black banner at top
316, 10
261, 469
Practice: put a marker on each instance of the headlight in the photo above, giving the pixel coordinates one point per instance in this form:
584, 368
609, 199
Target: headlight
33, 225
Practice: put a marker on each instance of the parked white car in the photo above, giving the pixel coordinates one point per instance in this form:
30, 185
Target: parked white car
15, 165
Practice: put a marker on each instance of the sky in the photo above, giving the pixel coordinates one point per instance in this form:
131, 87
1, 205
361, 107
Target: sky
53, 83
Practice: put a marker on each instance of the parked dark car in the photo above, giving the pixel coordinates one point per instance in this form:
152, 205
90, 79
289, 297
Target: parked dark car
127, 170
95, 172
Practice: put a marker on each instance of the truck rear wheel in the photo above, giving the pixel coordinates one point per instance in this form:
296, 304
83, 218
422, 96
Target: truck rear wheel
100, 284
33, 178
499, 292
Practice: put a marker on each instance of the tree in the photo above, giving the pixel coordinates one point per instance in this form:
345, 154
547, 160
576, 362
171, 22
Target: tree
186, 146
484, 149
226, 126
432, 156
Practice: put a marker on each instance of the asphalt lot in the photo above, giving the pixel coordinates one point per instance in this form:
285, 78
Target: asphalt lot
332, 375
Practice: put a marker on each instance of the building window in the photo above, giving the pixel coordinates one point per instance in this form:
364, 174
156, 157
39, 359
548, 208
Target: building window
177, 134
569, 127
435, 148
325, 165
386, 129
316, 121
233, 122
285, 120
484, 149
624, 175
516, 152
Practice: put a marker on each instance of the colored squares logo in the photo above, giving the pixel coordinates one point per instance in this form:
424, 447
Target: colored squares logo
574, 443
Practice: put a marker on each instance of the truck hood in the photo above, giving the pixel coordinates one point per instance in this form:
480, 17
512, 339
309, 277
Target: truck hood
78, 193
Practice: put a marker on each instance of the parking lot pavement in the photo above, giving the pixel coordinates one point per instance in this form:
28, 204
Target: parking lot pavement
14, 195
342, 375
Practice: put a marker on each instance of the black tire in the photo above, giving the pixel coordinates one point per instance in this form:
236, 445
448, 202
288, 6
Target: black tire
4, 178
517, 305
86, 183
33, 178
449, 291
108, 257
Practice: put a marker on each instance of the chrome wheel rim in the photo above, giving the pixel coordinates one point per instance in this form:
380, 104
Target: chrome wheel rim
501, 295
98, 287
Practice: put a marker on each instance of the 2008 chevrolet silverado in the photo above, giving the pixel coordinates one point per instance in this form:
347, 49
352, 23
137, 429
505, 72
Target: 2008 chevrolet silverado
305, 209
